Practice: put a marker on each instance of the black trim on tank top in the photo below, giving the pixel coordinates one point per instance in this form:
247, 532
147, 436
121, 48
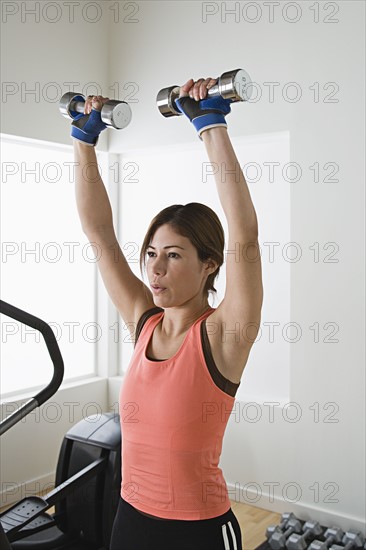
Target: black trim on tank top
221, 382
144, 317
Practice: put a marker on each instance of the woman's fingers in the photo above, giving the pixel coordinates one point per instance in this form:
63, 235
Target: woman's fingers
184, 90
88, 104
94, 102
204, 87
197, 90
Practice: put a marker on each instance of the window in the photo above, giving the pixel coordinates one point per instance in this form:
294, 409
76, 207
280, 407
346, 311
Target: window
48, 266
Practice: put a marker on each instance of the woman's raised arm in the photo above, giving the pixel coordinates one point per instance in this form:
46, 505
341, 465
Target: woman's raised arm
243, 298
128, 293
92, 200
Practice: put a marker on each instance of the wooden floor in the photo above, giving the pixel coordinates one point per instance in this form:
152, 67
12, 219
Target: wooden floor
253, 523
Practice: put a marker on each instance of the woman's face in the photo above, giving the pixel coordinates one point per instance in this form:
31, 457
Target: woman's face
172, 263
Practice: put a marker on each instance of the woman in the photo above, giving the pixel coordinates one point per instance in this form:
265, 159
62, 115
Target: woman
188, 360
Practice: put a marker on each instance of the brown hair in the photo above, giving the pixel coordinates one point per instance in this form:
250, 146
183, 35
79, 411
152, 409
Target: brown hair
201, 225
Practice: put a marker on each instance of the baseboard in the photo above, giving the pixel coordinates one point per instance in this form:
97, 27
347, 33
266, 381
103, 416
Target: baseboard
303, 511
12, 492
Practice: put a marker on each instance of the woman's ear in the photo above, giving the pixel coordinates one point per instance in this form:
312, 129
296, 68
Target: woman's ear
211, 266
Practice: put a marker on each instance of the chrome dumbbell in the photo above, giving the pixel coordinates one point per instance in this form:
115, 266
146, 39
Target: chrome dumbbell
234, 85
116, 114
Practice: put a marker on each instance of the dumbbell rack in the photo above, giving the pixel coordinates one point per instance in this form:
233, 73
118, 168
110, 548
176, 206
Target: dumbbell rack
266, 546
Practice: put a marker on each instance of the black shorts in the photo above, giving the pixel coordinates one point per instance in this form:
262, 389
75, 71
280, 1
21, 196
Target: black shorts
134, 531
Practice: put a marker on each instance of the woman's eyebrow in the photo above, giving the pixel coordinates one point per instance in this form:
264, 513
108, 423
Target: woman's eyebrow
169, 246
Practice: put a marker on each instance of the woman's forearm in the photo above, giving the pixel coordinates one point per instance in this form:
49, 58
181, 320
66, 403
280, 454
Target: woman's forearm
91, 196
230, 181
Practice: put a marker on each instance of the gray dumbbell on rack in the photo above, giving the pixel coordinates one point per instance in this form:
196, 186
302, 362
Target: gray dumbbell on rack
279, 537
234, 85
332, 534
116, 114
352, 540
298, 542
285, 517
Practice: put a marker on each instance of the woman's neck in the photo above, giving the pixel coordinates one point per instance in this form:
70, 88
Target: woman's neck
176, 321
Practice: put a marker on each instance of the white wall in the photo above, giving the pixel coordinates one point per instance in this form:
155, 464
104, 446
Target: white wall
48, 49
169, 43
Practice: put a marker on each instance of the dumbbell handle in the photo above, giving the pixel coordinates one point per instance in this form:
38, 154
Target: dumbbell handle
286, 517
114, 113
281, 541
304, 536
335, 536
77, 106
234, 85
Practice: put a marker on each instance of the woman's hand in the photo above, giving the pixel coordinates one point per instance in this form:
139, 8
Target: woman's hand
197, 90
88, 126
94, 102
204, 112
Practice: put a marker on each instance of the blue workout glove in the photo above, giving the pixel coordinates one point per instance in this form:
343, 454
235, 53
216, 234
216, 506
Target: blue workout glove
206, 113
86, 128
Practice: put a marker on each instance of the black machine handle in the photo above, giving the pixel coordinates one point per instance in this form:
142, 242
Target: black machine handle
55, 354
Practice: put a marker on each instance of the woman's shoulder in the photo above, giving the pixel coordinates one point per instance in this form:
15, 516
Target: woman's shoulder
144, 317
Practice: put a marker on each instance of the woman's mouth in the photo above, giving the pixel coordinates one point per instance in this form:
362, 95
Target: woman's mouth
158, 289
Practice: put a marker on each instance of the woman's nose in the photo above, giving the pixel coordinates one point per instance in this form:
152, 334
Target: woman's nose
158, 266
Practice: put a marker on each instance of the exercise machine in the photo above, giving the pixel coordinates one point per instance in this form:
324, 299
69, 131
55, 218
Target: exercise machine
88, 474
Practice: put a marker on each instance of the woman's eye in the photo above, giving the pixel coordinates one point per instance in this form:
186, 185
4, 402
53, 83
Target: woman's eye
170, 253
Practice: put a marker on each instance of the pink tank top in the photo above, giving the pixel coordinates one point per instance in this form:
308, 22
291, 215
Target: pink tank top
173, 419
